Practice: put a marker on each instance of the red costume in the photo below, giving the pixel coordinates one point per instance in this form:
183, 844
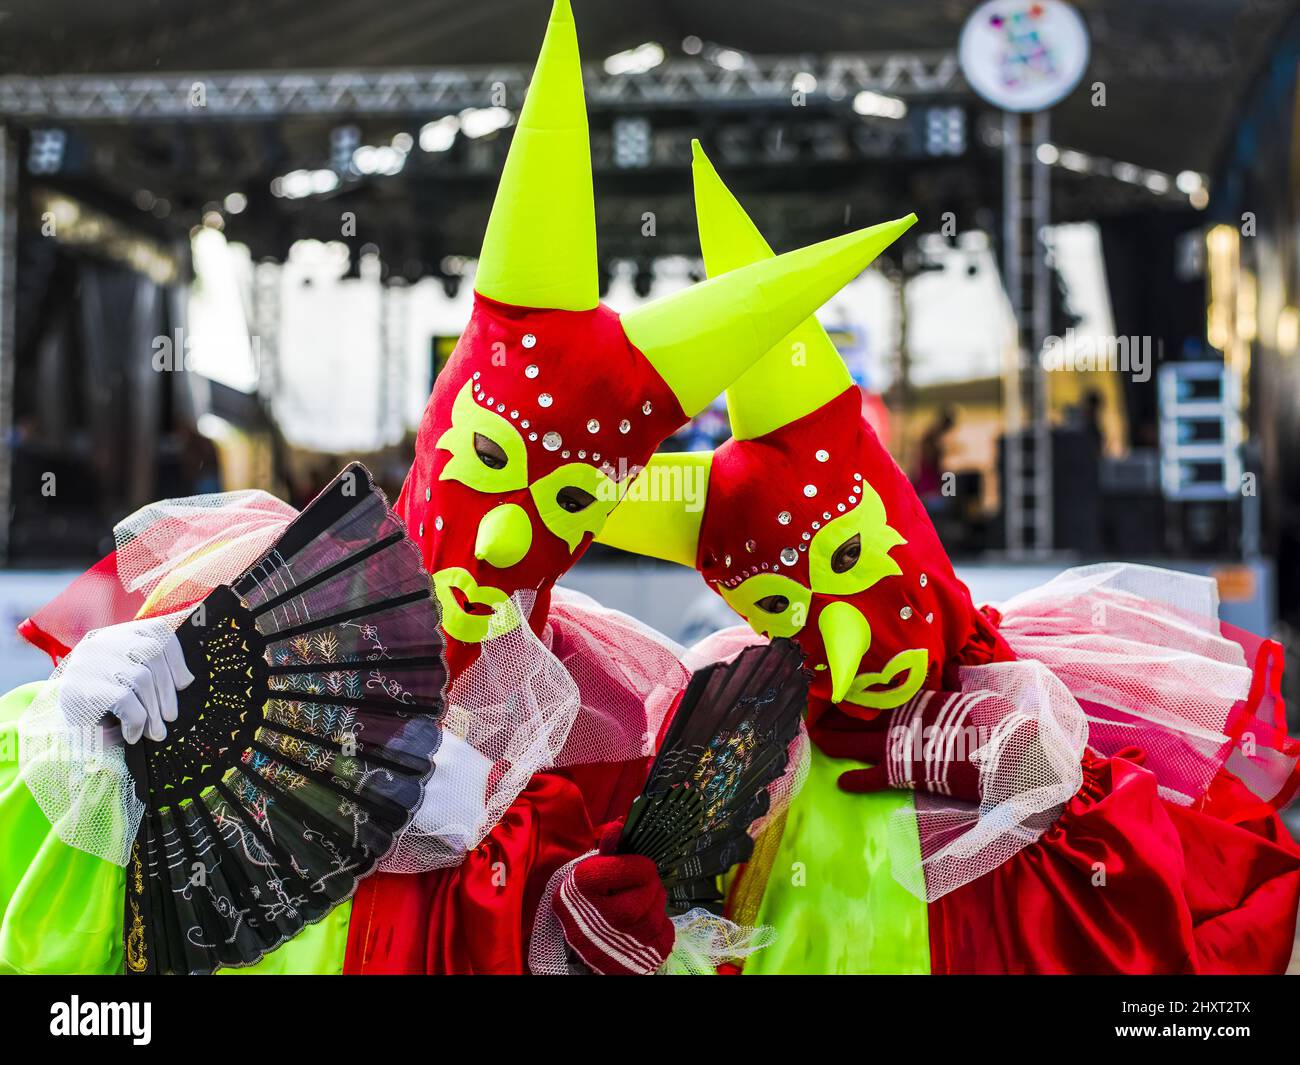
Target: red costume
549, 407
1097, 768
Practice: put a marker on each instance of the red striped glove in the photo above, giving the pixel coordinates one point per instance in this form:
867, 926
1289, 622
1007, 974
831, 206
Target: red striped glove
614, 911
928, 744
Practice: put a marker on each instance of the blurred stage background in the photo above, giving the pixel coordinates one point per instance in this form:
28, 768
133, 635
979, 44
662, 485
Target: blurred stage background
237, 243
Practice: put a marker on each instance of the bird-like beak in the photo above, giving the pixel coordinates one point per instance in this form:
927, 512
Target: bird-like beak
846, 636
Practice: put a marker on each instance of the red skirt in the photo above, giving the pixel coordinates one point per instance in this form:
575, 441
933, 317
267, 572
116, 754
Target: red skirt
1171, 858
476, 918
1125, 882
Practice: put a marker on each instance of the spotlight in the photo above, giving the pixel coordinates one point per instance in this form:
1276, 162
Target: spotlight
945, 131
478, 122
728, 59
878, 105
344, 141
635, 60
439, 136
631, 143
45, 154
804, 82
298, 184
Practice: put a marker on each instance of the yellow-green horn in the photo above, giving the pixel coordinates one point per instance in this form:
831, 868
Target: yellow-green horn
540, 246
702, 338
661, 513
803, 370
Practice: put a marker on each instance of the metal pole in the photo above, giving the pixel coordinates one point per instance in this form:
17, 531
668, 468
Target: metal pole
901, 389
393, 308
265, 330
8, 299
1013, 454
1041, 215
1027, 459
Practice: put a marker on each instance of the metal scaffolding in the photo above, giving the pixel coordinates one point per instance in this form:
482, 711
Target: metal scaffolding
1027, 460
678, 83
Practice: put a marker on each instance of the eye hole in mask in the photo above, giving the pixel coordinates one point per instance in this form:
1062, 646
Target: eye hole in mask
489, 452
847, 554
573, 499
772, 603
486, 451
851, 552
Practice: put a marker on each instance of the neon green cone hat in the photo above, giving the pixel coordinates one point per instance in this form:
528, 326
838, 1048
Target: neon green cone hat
797, 375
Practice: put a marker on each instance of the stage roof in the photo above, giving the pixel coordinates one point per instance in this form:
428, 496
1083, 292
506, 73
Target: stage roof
1174, 68
1174, 72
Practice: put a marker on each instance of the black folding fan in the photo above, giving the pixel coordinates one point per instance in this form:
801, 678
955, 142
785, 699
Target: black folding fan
302, 747
727, 743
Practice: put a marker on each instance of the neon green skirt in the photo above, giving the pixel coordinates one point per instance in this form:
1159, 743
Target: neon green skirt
831, 897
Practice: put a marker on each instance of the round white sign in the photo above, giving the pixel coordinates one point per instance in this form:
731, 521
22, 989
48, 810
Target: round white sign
1024, 55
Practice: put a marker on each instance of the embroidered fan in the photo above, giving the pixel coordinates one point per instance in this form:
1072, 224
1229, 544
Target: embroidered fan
727, 743
302, 747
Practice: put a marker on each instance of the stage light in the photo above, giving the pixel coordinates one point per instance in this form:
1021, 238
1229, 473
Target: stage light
728, 59
344, 141
235, 203
439, 136
631, 143
478, 122
45, 153
1188, 181
300, 183
945, 131
369, 159
1288, 330
1076, 161
636, 60
878, 105
1127, 173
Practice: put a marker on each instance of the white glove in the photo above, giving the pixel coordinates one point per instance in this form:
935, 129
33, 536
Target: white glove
131, 671
456, 796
